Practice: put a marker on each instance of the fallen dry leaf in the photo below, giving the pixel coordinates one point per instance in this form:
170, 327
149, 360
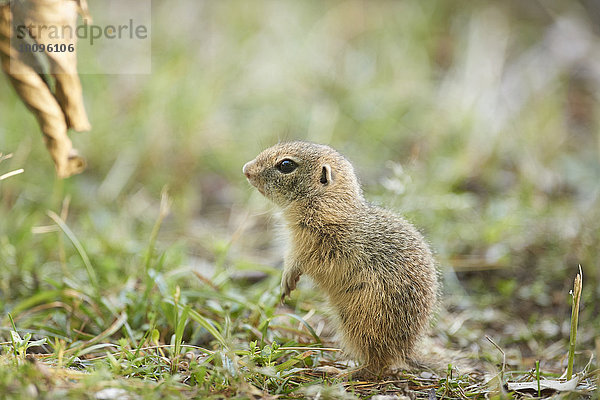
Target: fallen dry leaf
545, 384
56, 111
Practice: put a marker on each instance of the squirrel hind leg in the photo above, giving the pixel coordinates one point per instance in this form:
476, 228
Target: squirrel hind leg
368, 373
376, 367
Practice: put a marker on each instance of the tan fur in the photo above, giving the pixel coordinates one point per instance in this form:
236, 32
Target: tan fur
375, 267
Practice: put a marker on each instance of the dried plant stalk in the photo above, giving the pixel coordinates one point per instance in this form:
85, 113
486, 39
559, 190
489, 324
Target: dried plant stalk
11, 173
55, 112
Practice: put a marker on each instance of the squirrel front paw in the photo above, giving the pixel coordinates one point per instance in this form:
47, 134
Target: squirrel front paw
288, 282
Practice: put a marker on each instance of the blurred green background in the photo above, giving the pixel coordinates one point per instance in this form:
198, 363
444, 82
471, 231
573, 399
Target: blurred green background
479, 121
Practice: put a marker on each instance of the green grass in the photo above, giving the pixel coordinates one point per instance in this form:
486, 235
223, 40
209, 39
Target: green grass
447, 120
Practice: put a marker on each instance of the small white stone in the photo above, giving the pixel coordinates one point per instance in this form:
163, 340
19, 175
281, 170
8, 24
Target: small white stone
113, 394
328, 370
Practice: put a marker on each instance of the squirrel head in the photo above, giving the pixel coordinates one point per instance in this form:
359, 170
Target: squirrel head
304, 176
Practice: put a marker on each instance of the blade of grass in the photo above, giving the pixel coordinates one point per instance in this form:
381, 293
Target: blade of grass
307, 325
182, 321
293, 361
209, 327
92, 349
115, 313
12, 335
204, 322
165, 205
576, 293
62, 254
149, 278
12, 173
82, 253
501, 383
146, 348
119, 322
48, 296
537, 375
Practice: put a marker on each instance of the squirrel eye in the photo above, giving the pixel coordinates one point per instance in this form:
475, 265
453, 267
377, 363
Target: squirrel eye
287, 166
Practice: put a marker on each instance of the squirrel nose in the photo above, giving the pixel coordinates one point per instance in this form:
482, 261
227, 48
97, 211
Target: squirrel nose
246, 169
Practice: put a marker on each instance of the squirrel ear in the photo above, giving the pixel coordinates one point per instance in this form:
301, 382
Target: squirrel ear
326, 175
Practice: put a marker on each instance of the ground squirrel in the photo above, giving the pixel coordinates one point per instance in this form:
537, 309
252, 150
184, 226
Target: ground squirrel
375, 267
